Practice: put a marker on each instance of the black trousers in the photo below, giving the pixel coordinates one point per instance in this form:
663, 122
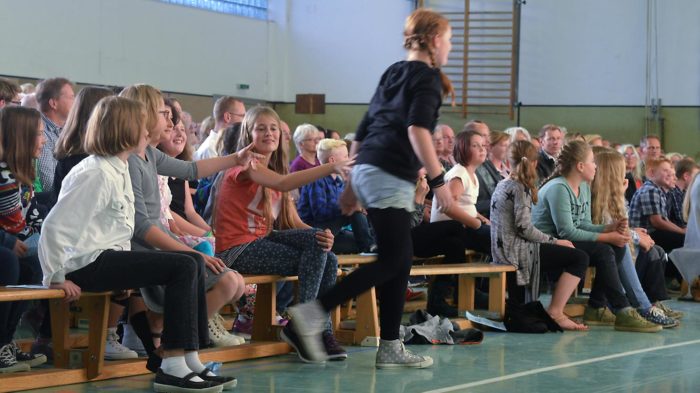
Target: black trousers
439, 238
669, 241
607, 286
650, 266
553, 259
14, 271
182, 273
389, 274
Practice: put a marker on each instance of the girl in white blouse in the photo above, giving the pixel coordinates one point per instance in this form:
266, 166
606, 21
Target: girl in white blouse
86, 245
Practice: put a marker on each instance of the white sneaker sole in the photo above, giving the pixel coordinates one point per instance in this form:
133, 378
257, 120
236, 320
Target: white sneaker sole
424, 364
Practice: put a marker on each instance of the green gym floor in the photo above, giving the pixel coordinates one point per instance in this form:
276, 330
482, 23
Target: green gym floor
600, 360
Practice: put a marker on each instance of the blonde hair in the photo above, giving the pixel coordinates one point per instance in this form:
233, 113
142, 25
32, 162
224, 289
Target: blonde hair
607, 195
498, 137
114, 126
591, 138
687, 199
278, 163
637, 172
421, 27
150, 97
521, 155
571, 154
326, 147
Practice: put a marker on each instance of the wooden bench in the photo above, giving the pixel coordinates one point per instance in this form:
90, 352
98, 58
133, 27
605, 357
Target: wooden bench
367, 321
264, 343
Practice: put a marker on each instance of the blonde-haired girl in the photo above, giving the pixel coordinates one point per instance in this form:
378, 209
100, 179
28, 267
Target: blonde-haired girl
564, 210
515, 241
608, 204
258, 230
145, 164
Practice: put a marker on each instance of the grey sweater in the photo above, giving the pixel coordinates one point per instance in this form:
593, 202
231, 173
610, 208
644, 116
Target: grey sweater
144, 181
514, 240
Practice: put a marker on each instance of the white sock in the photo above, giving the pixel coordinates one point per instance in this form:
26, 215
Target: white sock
193, 362
176, 366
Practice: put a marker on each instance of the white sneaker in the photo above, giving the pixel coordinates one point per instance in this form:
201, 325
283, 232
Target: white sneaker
116, 351
218, 334
132, 341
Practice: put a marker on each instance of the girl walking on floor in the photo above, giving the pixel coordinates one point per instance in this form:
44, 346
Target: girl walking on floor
393, 141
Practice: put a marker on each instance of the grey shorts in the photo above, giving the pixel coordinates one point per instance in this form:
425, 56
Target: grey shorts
378, 189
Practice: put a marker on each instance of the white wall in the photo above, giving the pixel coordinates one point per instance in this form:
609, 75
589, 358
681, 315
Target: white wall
120, 42
594, 52
341, 47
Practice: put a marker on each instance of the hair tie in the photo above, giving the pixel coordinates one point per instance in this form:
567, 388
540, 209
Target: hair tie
524, 159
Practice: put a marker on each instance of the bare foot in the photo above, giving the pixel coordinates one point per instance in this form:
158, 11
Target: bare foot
567, 324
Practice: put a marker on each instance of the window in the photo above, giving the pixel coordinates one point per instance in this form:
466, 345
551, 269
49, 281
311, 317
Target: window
249, 8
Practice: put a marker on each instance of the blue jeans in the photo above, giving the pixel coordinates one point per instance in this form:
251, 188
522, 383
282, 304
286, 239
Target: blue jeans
630, 282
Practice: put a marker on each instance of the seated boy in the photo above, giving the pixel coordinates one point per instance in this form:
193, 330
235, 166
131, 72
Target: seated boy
649, 206
686, 169
318, 204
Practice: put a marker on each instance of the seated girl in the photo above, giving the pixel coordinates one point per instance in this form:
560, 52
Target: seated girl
222, 285
469, 153
564, 210
608, 204
257, 228
86, 246
21, 144
174, 193
515, 241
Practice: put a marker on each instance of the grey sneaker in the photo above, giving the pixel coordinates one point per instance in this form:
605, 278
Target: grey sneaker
668, 311
309, 321
392, 354
598, 316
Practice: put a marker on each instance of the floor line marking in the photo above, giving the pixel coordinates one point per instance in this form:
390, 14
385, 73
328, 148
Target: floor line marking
558, 367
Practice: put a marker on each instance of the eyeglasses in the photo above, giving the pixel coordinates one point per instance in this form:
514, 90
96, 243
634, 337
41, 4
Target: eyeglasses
166, 114
315, 140
15, 103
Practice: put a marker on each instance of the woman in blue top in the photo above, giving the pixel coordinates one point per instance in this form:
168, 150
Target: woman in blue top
393, 141
564, 211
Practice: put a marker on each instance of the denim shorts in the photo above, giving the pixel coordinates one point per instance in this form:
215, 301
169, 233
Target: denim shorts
378, 189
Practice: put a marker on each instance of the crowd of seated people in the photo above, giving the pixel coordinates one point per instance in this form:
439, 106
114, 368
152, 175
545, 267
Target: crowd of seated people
87, 176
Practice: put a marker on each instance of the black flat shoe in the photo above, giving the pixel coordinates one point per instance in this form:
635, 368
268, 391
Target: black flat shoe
172, 384
227, 382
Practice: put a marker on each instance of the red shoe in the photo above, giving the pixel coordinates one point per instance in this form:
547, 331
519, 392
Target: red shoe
413, 295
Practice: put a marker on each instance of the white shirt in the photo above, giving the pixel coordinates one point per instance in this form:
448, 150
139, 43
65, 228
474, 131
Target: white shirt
208, 148
94, 213
466, 201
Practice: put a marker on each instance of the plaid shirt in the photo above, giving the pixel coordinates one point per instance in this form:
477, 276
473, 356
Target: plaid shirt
649, 200
47, 163
675, 206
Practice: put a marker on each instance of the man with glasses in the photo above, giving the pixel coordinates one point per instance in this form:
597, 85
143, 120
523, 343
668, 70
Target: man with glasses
227, 111
9, 93
650, 149
55, 97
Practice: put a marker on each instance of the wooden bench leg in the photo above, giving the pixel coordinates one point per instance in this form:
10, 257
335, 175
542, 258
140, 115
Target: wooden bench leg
497, 294
265, 301
97, 309
60, 324
465, 294
367, 317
